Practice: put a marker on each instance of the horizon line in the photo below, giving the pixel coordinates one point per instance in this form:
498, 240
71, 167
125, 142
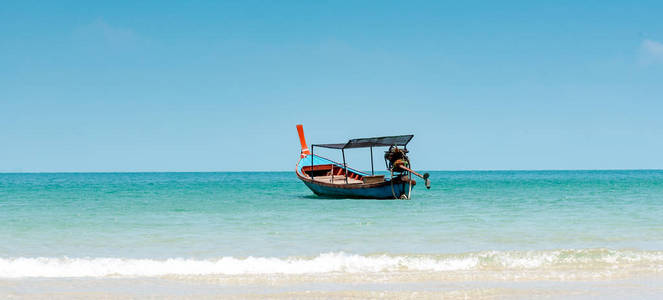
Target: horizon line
282, 171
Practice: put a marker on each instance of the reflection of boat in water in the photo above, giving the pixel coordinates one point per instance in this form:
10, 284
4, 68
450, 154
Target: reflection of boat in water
329, 178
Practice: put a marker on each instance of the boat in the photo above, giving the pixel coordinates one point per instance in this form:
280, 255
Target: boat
329, 178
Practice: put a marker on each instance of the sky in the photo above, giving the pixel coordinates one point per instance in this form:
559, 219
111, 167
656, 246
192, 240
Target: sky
92, 86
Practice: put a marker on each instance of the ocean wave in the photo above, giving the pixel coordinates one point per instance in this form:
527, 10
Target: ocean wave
584, 259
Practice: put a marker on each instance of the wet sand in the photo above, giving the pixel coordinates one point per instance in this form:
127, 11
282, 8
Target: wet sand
332, 286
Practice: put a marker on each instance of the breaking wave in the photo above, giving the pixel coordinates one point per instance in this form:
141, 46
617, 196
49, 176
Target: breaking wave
585, 259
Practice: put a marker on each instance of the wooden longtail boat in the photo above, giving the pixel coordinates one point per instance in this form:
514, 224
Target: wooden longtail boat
333, 179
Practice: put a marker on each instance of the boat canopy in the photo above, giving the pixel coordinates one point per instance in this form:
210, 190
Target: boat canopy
386, 141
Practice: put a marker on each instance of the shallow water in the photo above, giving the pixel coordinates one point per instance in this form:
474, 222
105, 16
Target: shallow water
542, 224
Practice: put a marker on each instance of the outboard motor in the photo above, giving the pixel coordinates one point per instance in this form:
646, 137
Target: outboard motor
398, 162
396, 158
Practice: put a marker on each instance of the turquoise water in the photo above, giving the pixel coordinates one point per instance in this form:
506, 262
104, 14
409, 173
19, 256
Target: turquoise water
208, 216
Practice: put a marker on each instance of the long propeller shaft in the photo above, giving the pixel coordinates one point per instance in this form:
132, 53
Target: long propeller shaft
424, 177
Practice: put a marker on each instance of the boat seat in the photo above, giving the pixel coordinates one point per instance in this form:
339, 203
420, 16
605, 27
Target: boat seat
373, 179
337, 179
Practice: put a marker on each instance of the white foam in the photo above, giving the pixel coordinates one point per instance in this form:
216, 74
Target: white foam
324, 263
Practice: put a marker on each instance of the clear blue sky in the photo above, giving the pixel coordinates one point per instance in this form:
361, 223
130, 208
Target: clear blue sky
219, 86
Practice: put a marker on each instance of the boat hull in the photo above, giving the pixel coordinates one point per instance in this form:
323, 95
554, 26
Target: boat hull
377, 190
383, 191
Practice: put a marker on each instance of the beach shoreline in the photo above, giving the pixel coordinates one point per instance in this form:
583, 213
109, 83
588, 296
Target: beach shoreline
277, 287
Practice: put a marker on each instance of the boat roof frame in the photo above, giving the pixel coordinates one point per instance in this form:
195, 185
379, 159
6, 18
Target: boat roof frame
382, 141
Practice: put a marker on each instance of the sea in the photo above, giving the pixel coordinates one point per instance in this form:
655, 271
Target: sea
474, 234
